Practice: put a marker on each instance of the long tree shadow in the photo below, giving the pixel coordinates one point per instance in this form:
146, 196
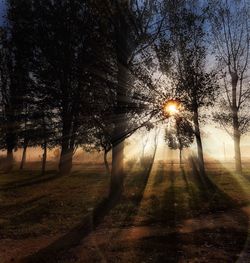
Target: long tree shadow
60, 249
163, 214
35, 180
209, 192
218, 221
209, 226
207, 207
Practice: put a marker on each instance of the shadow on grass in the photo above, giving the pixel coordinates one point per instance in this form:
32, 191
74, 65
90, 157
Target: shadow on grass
129, 205
21, 205
34, 180
169, 218
60, 249
207, 201
209, 192
209, 206
156, 239
211, 202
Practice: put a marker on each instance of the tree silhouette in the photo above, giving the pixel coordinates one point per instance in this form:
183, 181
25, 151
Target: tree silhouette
230, 29
180, 136
194, 85
15, 80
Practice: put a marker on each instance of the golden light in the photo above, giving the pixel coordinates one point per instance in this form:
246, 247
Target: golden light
171, 107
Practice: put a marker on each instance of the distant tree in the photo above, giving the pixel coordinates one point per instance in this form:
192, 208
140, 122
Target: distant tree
180, 136
38, 127
230, 30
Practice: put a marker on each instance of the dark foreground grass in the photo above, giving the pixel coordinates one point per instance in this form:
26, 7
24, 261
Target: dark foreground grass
169, 216
32, 205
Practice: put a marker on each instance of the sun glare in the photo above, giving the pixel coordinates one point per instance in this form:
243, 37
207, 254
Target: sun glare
171, 108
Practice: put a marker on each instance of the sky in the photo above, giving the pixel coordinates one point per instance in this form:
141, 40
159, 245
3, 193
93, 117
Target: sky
217, 143
2, 11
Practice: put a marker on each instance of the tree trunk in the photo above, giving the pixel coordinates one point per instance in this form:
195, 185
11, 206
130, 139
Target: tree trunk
153, 157
120, 124
117, 172
180, 155
154, 153
199, 142
105, 158
24, 155
8, 166
237, 151
66, 158
10, 136
44, 160
236, 132
10, 142
123, 54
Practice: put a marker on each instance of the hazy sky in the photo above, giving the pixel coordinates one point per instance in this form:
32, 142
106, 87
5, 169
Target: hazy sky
216, 142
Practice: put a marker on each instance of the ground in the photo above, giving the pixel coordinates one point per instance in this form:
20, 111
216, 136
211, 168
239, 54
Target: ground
167, 214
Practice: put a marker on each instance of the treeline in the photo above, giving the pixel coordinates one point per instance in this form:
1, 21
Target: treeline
77, 73
67, 74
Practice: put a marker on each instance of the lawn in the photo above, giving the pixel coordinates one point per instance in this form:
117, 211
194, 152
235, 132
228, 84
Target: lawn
167, 215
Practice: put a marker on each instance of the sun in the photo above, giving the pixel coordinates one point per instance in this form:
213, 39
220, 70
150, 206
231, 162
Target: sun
171, 107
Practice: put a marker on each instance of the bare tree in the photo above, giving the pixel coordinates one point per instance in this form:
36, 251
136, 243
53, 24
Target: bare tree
230, 29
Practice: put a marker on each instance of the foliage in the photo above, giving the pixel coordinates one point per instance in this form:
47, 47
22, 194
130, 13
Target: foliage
181, 135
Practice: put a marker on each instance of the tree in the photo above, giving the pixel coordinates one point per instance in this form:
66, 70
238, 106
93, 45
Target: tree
65, 51
25, 135
195, 87
180, 136
15, 54
100, 140
230, 30
133, 28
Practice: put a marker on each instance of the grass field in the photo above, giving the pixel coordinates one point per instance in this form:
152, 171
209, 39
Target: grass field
173, 216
